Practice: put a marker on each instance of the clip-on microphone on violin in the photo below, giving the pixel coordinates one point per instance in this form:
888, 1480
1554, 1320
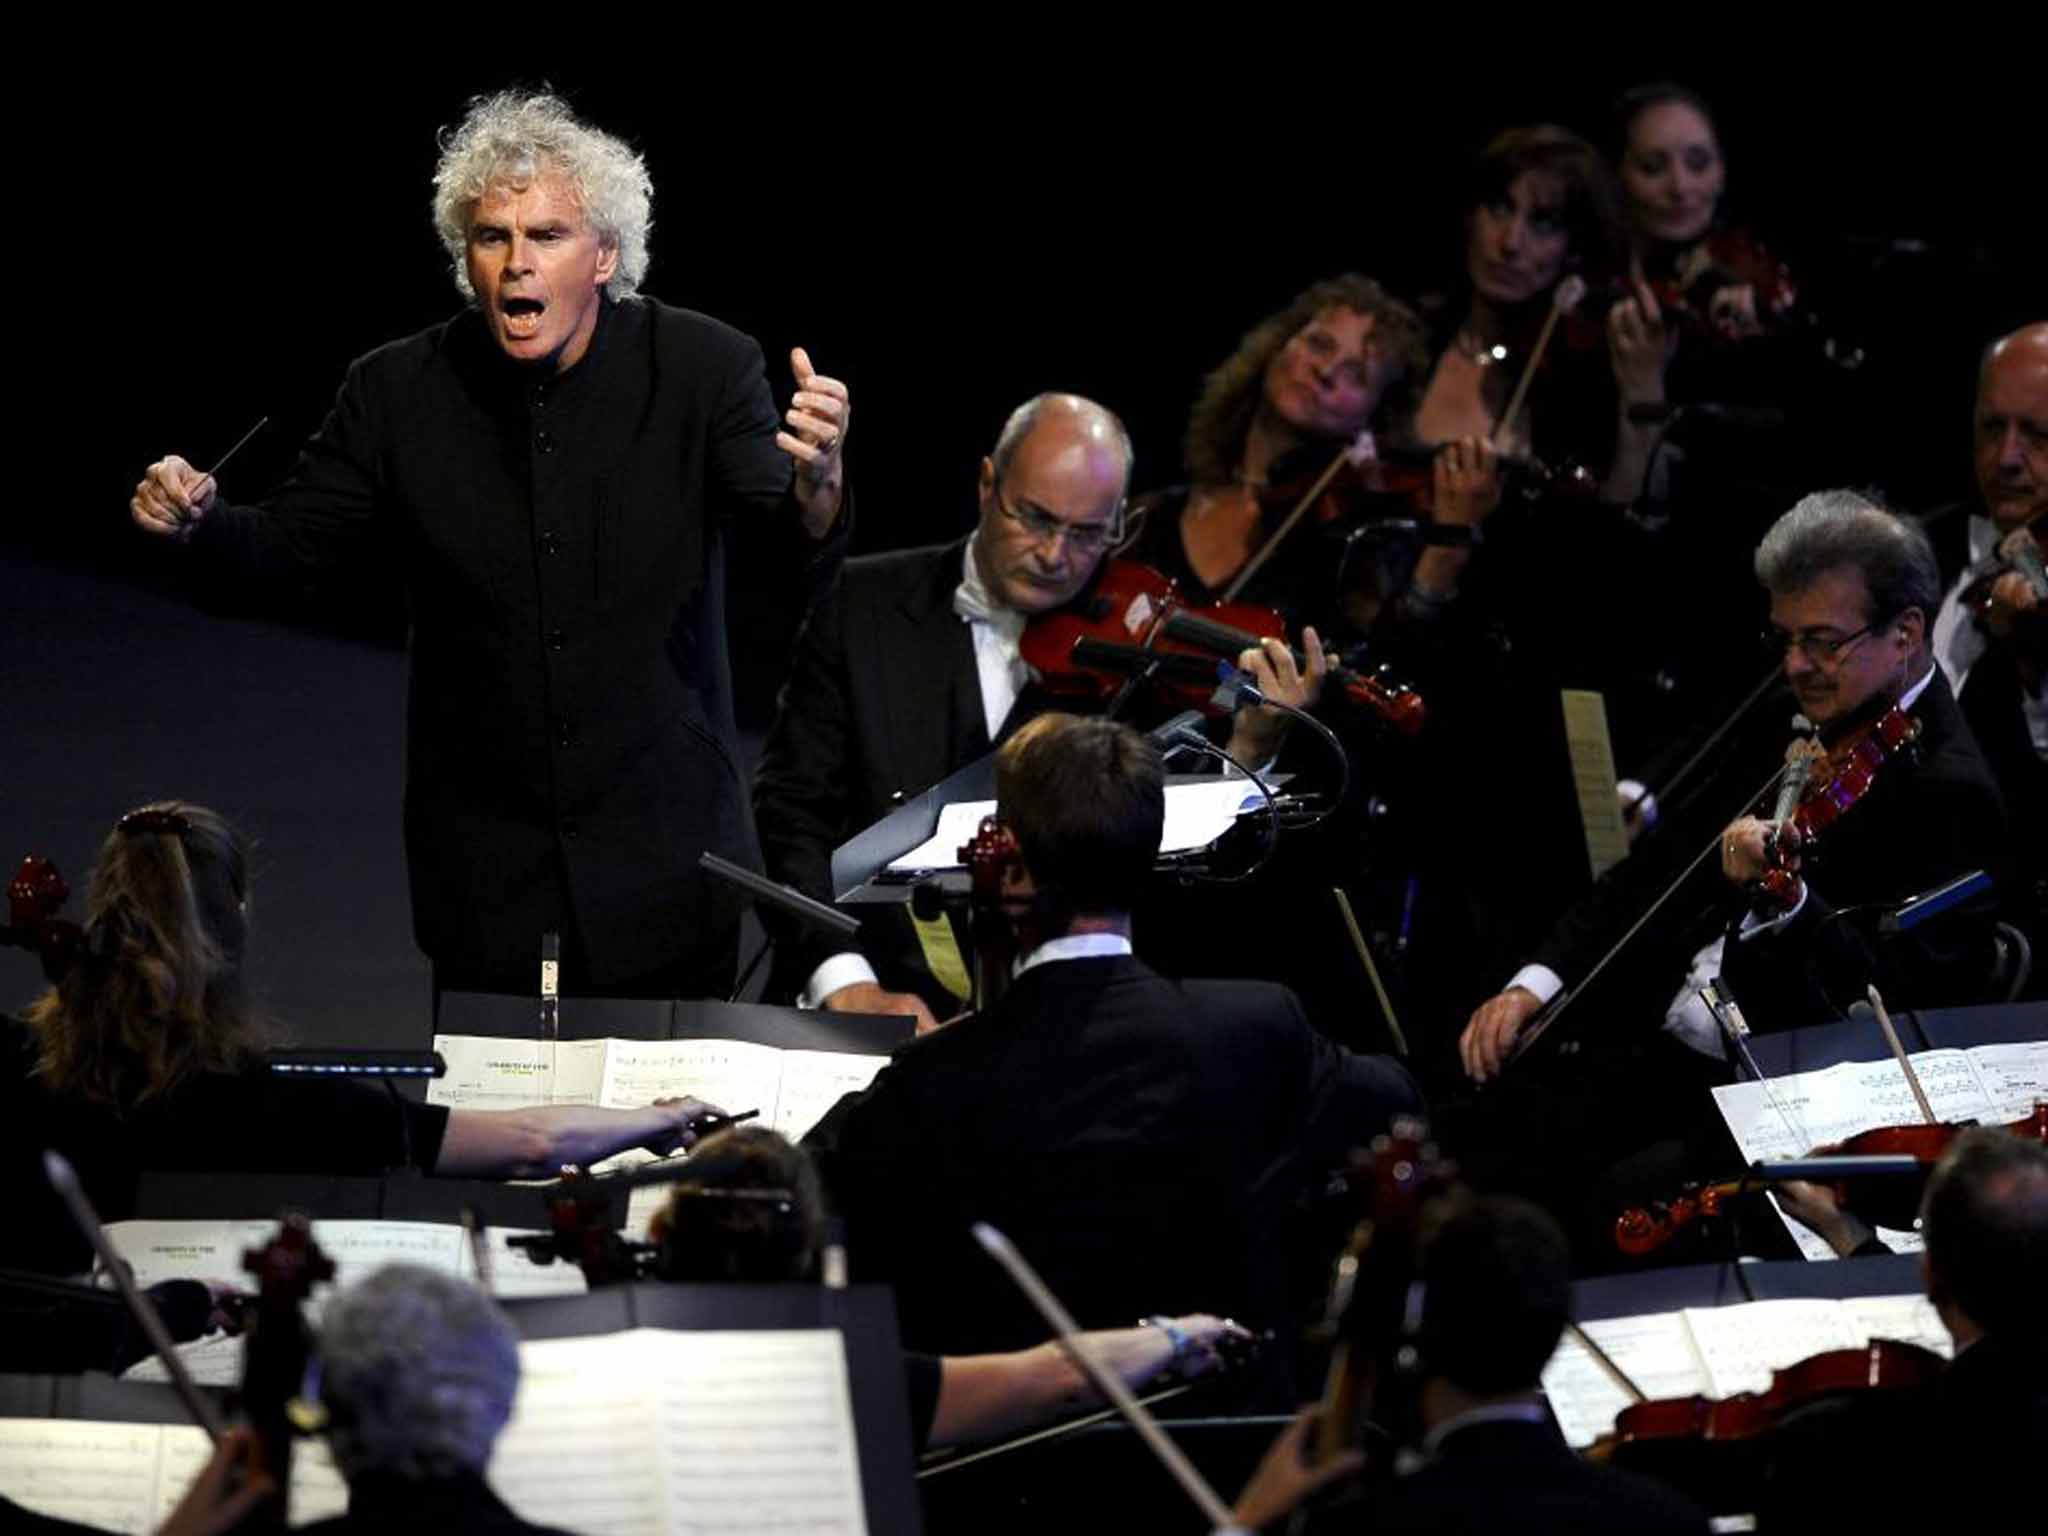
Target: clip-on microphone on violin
1235, 688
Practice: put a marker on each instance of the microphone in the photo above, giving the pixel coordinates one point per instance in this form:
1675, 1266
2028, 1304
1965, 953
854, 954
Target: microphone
1174, 733
1741, 418
1915, 910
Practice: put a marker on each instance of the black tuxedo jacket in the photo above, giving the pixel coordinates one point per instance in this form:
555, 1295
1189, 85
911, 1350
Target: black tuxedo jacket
1933, 813
1492, 1477
1142, 1142
882, 702
570, 730
1990, 703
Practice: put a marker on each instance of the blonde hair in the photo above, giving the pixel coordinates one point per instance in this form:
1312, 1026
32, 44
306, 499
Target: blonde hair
156, 995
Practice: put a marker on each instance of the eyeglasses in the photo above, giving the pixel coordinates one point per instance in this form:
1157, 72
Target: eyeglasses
1082, 538
1818, 646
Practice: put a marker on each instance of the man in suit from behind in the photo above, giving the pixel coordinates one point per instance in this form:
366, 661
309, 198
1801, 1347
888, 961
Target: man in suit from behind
1985, 1220
1142, 1141
1496, 1295
909, 668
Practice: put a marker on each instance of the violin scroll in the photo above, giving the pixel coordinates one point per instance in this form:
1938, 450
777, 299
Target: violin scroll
35, 896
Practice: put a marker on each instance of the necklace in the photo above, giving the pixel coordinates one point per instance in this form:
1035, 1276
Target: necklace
1481, 354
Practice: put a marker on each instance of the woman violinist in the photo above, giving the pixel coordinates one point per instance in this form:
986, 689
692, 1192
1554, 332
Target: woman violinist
1707, 292
1340, 359
146, 1055
1539, 207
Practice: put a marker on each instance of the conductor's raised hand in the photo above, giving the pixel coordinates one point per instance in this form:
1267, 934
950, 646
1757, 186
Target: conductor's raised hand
820, 415
171, 498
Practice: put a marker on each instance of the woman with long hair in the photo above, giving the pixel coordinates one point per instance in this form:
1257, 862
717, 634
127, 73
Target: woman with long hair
146, 1053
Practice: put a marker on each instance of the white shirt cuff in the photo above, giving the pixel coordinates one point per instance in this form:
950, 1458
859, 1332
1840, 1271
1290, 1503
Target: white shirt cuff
1637, 797
849, 969
1540, 979
1753, 925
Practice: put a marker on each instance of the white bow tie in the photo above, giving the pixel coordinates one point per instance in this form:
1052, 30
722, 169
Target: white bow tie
973, 601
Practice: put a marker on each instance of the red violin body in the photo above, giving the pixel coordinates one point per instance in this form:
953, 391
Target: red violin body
1837, 781
1132, 608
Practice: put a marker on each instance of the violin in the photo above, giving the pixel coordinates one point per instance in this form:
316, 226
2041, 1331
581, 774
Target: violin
1644, 1428
277, 1350
1002, 927
1644, 1229
1836, 780
1687, 286
1132, 621
2021, 551
1403, 1188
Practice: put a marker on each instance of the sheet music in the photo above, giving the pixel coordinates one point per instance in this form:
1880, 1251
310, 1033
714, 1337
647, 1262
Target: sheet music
736, 1075
129, 1477
757, 1433
958, 823
1907, 1319
514, 1275
703, 1432
1742, 1345
1591, 751
582, 1404
2015, 1078
1986, 1083
212, 1251
1655, 1351
492, 1072
1716, 1352
1196, 815
791, 1089
104, 1475
813, 1081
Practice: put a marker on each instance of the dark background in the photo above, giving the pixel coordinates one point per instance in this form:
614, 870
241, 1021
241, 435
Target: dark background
948, 236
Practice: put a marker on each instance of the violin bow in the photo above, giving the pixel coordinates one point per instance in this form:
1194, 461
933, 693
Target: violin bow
65, 1181
1372, 971
1540, 1025
948, 1463
1360, 450
1004, 1252
1606, 1361
1891, 1038
1564, 298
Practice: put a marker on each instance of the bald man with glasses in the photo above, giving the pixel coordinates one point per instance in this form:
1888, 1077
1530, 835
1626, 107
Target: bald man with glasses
910, 668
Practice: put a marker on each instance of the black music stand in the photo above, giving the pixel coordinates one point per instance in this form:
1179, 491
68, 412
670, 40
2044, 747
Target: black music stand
860, 865
599, 1018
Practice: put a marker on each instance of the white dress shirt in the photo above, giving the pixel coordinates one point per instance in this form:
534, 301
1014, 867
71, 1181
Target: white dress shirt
997, 632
